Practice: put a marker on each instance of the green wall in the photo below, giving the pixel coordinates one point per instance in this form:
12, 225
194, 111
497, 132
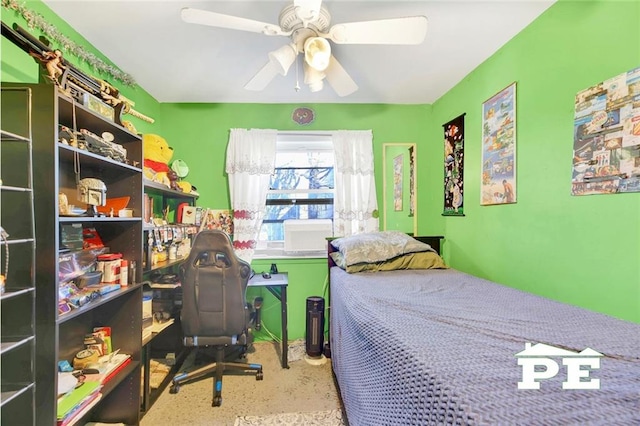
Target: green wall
199, 134
401, 219
18, 66
580, 250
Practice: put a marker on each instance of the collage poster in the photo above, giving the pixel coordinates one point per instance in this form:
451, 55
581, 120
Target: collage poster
217, 219
453, 167
412, 181
397, 183
498, 185
606, 137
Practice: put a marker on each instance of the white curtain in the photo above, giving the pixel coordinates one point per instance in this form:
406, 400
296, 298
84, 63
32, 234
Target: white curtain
250, 163
355, 205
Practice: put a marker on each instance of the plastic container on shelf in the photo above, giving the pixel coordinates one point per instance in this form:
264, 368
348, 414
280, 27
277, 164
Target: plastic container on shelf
109, 264
124, 272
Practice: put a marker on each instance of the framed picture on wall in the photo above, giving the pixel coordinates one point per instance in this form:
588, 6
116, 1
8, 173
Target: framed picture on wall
498, 180
454, 167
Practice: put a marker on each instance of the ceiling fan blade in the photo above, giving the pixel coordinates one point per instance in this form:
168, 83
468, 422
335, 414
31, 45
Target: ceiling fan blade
220, 20
339, 79
408, 30
262, 78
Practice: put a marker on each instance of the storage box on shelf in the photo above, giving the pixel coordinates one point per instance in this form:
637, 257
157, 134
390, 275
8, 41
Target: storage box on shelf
17, 248
59, 166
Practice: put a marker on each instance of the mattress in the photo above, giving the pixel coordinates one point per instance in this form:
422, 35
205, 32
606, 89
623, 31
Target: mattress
439, 347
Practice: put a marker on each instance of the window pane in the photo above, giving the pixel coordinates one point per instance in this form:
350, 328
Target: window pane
300, 178
304, 159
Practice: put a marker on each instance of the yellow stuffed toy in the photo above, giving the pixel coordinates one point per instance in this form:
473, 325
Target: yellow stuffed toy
157, 154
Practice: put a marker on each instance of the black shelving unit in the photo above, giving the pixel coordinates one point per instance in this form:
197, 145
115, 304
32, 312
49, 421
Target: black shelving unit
57, 167
170, 339
18, 245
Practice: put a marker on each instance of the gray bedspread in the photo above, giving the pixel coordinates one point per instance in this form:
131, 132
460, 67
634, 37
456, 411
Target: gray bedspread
439, 347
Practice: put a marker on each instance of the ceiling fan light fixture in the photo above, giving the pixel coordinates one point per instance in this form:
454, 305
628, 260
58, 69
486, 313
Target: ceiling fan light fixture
283, 58
317, 53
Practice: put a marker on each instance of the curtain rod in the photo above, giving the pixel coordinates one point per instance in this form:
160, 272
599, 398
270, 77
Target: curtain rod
303, 133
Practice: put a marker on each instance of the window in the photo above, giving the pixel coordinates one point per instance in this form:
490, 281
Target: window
302, 184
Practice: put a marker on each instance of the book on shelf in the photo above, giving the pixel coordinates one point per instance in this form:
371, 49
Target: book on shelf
116, 370
69, 402
108, 366
78, 412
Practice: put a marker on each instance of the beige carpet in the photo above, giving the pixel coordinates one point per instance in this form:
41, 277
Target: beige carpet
303, 388
315, 418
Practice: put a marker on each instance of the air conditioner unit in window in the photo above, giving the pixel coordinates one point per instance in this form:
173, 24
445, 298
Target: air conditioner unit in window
306, 235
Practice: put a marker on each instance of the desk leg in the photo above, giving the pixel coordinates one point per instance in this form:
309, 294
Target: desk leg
285, 343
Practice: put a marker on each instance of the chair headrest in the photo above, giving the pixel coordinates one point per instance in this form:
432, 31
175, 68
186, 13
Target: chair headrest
214, 247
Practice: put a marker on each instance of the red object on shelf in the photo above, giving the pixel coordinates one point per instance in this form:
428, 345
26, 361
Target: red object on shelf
180, 210
117, 204
91, 239
116, 370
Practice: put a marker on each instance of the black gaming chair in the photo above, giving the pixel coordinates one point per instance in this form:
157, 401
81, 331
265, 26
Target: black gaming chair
214, 310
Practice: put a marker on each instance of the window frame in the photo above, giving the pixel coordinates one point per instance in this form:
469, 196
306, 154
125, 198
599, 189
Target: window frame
296, 142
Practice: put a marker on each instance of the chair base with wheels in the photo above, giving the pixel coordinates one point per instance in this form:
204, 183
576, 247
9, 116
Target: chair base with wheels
217, 370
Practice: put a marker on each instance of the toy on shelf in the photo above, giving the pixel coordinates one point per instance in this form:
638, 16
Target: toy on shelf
157, 154
93, 192
182, 170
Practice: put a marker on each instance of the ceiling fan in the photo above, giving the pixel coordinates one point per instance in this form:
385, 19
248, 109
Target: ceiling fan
307, 22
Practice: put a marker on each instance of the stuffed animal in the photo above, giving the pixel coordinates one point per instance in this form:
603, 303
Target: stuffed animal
185, 186
182, 170
173, 178
157, 154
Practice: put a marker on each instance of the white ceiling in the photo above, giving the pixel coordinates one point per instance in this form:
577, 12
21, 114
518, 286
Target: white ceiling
179, 62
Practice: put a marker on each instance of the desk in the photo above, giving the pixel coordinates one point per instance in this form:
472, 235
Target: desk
277, 285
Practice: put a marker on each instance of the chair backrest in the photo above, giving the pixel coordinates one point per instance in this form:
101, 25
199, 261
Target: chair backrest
214, 282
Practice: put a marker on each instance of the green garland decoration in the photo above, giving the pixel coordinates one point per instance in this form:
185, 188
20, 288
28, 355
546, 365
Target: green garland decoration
37, 21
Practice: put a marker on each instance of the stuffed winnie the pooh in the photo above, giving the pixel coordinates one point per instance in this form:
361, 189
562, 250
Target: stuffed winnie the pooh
157, 153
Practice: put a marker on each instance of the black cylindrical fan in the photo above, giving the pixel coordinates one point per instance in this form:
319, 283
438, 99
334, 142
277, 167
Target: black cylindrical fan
315, 326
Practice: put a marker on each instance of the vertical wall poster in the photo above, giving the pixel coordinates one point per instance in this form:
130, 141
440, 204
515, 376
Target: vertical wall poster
412, 181
453, 167
606, 137
498, 184
397, 182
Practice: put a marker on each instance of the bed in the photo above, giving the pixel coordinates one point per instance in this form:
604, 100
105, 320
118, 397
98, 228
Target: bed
438, 346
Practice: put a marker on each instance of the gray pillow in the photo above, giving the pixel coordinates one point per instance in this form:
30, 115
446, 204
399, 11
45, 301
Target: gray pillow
377, 246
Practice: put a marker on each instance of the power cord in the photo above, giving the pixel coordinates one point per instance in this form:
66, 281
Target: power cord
270, 334
4, 237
